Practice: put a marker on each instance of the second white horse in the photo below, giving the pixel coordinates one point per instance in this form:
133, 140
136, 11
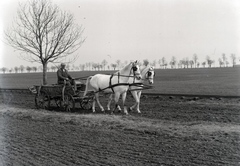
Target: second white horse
147, 74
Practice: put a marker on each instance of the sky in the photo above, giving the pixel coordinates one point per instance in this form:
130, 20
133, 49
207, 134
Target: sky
142, 29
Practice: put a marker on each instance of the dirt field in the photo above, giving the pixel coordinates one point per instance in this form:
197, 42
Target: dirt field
170, 131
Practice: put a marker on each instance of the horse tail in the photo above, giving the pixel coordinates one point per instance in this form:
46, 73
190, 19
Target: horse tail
87, 84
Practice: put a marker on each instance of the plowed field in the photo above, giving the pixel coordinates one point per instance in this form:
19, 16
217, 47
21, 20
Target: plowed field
170, 131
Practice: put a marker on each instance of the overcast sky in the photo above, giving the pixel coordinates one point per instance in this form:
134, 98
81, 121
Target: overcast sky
143, 29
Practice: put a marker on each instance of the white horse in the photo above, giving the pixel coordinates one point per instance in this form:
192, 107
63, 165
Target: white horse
116, 83
147, 74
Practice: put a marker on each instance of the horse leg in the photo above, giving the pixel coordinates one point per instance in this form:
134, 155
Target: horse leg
116, 98
93, 104
98, 102
118, 107
109, 101
139, 96
111, 97
135, 96
123, 100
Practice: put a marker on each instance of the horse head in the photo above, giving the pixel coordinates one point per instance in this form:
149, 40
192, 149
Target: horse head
150, 74
136, 70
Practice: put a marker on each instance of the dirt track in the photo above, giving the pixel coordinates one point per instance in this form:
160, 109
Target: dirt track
168, 132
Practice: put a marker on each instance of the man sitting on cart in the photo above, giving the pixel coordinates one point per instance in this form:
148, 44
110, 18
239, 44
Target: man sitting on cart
64, 76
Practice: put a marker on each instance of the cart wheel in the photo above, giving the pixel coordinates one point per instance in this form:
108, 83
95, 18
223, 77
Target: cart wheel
58, 102
42, 100
86, 103
68, 103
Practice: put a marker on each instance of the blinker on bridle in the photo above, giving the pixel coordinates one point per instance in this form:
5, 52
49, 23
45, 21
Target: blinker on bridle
149, 73
134, 68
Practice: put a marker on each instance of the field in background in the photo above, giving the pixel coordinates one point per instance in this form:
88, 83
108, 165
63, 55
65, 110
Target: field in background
204, 81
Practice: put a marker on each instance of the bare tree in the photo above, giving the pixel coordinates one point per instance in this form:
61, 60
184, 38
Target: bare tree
145, 62
4, 69
198, 64
160, 63
224, 58
34, 68
180, 64
114, 66
118, 62
40, 68
82, 67
95, 66
53, 68
187, 62
88, 65
164, 62
195, 58
220, 62
16, 69
204, 64
173, 62
154, 63
191, 62
233, 57
100, 66
227, 63
28, 68
209, 61
21, 68
104, 63
44, 33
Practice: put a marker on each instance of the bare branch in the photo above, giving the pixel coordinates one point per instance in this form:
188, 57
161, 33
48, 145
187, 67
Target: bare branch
44, 33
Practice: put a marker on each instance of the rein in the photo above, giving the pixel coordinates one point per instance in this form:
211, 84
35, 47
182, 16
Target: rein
81, 78
140, 85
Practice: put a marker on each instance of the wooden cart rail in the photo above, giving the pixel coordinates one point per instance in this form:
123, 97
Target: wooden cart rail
62, 96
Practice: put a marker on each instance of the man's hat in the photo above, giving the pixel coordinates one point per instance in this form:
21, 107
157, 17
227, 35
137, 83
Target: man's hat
63, 64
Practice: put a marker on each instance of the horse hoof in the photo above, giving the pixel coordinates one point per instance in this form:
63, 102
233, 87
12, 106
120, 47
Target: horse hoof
130, 109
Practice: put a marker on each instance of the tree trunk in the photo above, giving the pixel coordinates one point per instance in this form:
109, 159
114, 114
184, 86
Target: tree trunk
44, 73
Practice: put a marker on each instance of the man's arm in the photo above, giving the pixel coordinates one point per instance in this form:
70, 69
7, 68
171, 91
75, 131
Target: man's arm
69, 76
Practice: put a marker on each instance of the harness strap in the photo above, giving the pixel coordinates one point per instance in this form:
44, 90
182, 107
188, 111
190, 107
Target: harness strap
110, 83
118, 76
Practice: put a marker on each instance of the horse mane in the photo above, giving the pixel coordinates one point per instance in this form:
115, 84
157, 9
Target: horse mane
125, 67
143, 69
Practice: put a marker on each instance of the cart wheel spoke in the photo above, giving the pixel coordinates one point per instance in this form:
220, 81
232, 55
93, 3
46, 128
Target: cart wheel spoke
68, 103
42, 100
86, 103
58, 102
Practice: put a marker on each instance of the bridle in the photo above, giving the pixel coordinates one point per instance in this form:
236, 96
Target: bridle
149, 74
134, 69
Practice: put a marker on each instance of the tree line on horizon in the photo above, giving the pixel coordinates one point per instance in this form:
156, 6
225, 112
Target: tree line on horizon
46, 34
161, 64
